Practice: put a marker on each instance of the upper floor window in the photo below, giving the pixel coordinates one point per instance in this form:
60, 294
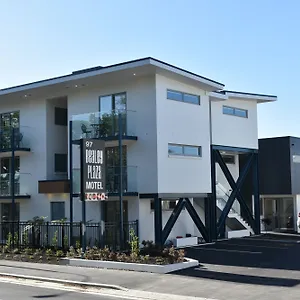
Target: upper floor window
112, 102
233, 111
60, 163
61, 116
183, 97
184, 150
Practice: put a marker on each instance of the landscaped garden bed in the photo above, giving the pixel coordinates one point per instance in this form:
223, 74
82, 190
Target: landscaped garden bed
149, 258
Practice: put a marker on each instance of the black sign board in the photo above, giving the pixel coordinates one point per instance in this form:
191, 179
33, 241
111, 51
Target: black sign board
93, 169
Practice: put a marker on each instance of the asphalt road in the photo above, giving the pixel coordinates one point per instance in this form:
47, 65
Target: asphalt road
10, 291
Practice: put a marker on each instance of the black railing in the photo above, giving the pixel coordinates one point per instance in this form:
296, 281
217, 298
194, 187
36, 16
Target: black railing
6, 136
57, 234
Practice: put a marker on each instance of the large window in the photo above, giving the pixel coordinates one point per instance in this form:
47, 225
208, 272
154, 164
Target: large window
183, 97
109, 103
57, 211
6, 212
184, 150
60, 163
233, 111
6, 165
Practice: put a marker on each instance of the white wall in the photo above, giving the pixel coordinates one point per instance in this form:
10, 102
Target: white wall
142, 115
182, 123
57, 136
235, 131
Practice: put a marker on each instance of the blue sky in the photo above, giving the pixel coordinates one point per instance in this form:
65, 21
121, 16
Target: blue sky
250, 45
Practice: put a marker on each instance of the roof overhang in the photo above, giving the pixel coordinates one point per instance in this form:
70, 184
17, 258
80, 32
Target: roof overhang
259, 98
144, 66
215, 96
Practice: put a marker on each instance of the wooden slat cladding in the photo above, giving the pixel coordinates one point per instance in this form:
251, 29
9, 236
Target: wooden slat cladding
54, 186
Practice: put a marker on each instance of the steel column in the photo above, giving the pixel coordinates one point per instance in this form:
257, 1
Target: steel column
201, 227
12, 182
121, 181
256, 198
173, 218
212, 201
71, 178
83, 224
158, 221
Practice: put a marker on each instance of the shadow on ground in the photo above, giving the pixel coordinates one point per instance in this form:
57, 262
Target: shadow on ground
264, 252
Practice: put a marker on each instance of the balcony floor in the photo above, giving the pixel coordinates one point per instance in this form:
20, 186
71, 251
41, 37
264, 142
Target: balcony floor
112, 141
8, 197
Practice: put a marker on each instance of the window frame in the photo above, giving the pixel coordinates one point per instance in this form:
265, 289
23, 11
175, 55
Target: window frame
182, 97
183, 154
234, 111
51, 210
55, 170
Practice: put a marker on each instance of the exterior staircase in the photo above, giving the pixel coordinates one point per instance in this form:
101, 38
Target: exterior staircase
237, 225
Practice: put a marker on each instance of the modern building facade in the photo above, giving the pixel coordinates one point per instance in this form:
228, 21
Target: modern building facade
279, 161
175, 124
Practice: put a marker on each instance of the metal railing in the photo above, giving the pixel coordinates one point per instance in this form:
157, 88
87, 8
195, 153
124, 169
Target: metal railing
22, 183
57, 234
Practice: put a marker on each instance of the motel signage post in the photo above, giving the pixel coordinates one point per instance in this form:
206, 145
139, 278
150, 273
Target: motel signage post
92, 173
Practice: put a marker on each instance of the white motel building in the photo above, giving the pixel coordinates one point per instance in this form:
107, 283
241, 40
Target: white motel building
176, 126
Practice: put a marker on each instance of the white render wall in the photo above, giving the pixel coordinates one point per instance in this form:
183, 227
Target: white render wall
235, 131
182, 123
142, 110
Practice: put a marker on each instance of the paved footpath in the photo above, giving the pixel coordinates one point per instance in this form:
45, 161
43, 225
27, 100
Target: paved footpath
207, 281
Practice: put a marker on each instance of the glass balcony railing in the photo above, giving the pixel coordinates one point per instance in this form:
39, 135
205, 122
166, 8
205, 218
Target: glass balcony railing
22, 183
103, 124
18, 136
112, 175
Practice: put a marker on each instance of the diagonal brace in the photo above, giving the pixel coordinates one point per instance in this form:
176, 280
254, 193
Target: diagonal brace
234, 192
233, 185
173, 218
191, 210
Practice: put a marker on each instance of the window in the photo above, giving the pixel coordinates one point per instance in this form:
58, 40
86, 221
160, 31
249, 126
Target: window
229, 159
184, 150
165, 204
6, 212
60, 163
235, 111
61, 116
57, 211
183, 97
6, 165
109, 103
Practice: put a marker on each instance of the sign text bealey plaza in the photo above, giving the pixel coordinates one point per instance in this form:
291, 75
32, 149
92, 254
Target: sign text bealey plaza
93, 166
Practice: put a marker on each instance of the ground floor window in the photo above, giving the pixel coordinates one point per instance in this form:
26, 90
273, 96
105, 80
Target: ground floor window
6, 212
57, 211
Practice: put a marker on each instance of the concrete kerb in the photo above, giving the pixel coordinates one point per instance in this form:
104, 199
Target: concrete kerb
65, 282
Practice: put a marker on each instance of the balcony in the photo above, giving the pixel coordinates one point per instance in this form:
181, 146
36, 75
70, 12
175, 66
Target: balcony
108, 126
113, 180
17, 137
22, 184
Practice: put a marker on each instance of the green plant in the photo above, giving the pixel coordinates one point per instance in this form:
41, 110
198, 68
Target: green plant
16, 239
54, 243
77, 244
25, 239
28, 251
66, 241
72, 252
9, 240
49, 252
59, 253
134, 243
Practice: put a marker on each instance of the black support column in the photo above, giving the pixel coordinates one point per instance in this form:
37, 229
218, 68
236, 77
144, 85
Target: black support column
157, 221
212, 200
256, 197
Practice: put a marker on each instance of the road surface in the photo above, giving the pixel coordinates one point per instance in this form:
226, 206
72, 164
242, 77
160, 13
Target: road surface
10, 291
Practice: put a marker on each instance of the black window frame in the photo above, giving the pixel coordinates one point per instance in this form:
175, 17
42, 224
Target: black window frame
182, 97
234, 113
183, 146
63, 208
58, 156
60, 116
